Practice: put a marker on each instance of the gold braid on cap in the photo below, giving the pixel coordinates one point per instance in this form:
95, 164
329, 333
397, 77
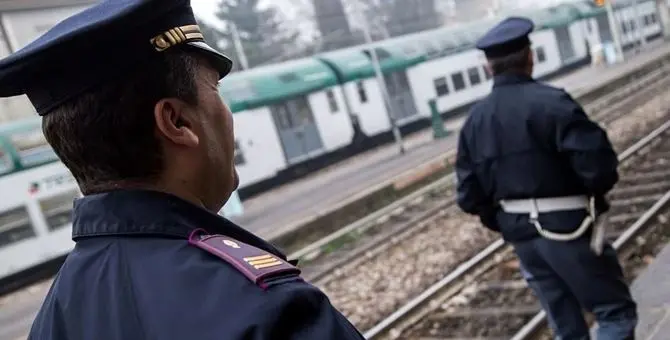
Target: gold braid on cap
176, 36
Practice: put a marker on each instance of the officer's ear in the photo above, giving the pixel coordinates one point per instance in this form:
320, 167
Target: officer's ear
488, 68
175, 122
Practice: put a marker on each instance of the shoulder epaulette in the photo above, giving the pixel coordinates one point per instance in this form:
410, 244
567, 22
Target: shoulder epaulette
256, 264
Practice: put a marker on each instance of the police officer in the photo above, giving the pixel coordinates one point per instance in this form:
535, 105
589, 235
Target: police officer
127, 91
533, 167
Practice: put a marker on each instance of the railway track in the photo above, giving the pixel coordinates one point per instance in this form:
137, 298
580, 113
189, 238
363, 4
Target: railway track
486, 298
326, 254
398, 238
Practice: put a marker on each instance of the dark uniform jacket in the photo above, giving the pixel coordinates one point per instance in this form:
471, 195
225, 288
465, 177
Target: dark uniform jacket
133, 275
530, 140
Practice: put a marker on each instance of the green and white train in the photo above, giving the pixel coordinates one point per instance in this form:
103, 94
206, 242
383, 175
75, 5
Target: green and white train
295, 116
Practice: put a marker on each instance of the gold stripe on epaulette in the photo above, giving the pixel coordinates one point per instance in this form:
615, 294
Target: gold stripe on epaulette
256, 262
177, 32
262, 261
176, 36
254, 258
266, 265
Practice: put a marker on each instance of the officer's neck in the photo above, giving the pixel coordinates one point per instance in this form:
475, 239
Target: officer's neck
518, 72
178, 189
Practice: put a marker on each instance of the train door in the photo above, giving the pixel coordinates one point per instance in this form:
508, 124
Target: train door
400, 95
604, 29
565, 47
297, 129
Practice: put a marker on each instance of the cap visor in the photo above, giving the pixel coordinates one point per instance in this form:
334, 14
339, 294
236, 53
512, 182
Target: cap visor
222, 63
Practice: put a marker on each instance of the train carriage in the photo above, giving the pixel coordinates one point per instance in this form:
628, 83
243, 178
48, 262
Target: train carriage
37, 194
285, 114
355, 72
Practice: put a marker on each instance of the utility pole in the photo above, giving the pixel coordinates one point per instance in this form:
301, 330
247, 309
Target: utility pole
380, 79
239, 49
664, 17
639, 24
614, 29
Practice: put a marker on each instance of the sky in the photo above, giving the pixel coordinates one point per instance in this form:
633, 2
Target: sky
205, 9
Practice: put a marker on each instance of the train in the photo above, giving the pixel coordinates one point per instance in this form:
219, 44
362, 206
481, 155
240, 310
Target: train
295, 116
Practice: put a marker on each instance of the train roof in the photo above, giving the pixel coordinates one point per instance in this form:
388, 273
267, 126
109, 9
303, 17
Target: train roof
399, 53
265, 85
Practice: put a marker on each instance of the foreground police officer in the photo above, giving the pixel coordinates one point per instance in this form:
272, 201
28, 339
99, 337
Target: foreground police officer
128, 94
535, 168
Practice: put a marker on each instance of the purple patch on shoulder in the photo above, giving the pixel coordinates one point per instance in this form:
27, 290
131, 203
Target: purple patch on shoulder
256, 264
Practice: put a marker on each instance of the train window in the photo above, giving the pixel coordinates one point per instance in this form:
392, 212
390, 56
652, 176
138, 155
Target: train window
32, 148
647, 20
6, 164
239, 155
362, 95
57, 209
458, 81
282, 116
487, 74
441, 86
540, 55
624, 27
299, 112
15, 226
332, 102
632, 25
473, 74
652, 18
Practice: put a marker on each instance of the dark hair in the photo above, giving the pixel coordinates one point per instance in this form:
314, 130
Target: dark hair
107, 135
517, 61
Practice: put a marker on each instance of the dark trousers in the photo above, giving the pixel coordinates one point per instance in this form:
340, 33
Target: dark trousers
568, 277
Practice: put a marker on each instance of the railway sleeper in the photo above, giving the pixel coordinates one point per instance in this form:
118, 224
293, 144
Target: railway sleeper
491, 326
477, 338
627, 202
623, 218
653, 160
650, 177
640, 189
501, 297
527, 309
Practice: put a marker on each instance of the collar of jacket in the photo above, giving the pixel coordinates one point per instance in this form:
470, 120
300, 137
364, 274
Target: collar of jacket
511, 79
152, 213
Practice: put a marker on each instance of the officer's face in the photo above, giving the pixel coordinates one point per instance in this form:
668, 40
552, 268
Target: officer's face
199, 143
218, 134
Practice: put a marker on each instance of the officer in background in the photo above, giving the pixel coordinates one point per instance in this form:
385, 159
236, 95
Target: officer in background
533, 167
127, 91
